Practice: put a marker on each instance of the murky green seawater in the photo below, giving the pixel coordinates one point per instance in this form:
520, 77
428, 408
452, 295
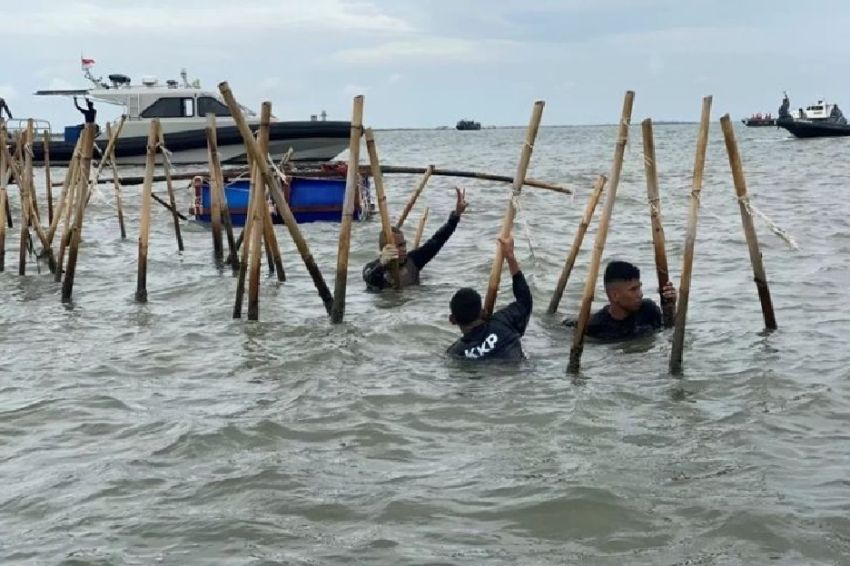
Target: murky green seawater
168, 433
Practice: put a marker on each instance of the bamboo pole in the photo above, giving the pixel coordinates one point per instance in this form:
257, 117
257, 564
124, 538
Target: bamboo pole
420, 228
414, 195
248, 229
668, 307
46, 144
510, 210
276, 192
690, 239
73, 193
23, 189
4, 201
258, 203
223, 208
145, 218
759, 275
215, 202
70, 178
351, 181
28, 168
166, 163
116, 183
598, 187
76, 231
601, 235
386, 226
269, 237
110, 148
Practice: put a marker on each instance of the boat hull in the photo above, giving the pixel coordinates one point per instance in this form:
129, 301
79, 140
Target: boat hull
810, 129
759, 122
310, 141
309, 199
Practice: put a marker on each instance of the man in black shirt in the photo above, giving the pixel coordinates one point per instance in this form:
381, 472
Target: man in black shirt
377, 276
89, 112
627, 314
497, 337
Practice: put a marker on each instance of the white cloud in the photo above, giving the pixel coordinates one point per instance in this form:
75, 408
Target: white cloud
434, 49
80, 17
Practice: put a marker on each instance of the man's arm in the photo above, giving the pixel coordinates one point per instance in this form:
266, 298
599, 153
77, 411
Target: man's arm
77, 105
426, 252
517, 313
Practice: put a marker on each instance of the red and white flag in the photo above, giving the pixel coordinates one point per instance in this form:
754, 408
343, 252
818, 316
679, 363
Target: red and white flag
86, 63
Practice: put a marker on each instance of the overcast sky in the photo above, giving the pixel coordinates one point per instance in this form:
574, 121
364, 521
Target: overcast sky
427, 63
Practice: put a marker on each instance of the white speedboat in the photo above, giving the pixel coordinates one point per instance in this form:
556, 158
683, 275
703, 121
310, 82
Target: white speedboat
181, 109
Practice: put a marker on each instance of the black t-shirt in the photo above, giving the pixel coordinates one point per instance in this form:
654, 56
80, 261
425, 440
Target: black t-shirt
499, 337
645, 321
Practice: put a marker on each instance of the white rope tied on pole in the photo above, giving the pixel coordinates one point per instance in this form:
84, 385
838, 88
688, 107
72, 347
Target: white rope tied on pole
775, 228
515, 198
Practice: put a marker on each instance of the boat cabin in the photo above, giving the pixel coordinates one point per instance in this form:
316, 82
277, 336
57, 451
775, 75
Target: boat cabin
820, 111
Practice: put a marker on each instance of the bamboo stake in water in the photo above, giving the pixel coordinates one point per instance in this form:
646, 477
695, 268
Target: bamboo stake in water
386, 226
598, 187
166, 163
420, 228
24, 188
668, 307
223, 207
70, 178
46, 144
253, 240
740, 181
215, 199
338, 309
601, 235
414, 195
116, 183
77, 229
510, 210
690, 239
4, 202
273, 183
145, 218
28, 168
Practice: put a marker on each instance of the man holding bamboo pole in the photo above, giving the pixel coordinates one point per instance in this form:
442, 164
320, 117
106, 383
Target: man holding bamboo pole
496, 337
376, 273
627, 315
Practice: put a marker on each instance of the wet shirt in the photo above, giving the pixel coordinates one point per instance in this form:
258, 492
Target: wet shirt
645, 321
378, 277
500, 337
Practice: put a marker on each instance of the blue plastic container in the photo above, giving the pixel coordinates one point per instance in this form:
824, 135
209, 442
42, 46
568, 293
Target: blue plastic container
72, 133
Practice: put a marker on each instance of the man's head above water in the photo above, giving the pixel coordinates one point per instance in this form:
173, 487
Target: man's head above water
623, 286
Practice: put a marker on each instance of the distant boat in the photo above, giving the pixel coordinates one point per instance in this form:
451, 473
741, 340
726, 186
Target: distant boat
817, 120
468, 125
759, 120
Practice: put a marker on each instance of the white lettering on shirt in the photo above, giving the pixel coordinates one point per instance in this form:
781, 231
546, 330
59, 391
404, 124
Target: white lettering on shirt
485, 347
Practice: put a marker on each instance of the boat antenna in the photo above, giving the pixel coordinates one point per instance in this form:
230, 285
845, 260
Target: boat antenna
185, 76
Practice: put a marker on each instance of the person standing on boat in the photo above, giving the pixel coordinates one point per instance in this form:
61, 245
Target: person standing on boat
378, 277
4, 106
494, 337
627, 315
89, 113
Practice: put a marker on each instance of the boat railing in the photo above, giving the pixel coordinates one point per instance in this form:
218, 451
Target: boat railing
14, 125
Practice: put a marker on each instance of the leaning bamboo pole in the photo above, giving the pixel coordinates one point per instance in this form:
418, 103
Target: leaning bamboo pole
166, 163
116, 184
77, 229
351, 180
598, 187
218, 187
759, 274
70, 178
510, 210
420, 186
601, 235
69, 199
420, 228
46, 144
383, 209
276, 192
23, 190
668, 306
145, 217
690, 239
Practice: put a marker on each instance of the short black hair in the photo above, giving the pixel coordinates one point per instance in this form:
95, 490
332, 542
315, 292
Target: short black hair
382, 239
621, 271
466, 306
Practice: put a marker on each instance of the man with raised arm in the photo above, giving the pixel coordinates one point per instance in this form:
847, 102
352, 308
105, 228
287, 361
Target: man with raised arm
376, 273
496, 337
